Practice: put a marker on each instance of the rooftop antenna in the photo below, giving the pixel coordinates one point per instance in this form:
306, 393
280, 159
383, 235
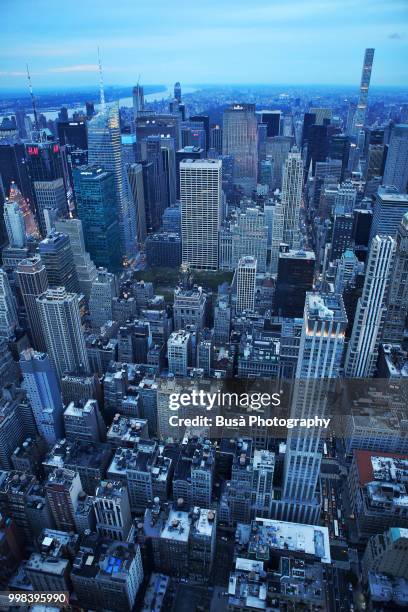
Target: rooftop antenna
101, 90
30, 87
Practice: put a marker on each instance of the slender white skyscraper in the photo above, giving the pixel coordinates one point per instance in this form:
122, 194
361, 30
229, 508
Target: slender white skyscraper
292, 182
200, 197
320, 353
61, 325
15, 226
105, 149
371, 310
33, 282
246, 284
359, 117
240, 139
8, 311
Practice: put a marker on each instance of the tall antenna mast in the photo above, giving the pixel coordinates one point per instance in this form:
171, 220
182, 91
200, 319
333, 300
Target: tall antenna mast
101, 89
30, 88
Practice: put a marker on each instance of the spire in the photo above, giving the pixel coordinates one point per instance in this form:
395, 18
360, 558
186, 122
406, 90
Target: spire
30, 87
101, 90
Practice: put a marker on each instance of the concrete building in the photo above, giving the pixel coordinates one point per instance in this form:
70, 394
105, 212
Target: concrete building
112, 510
179, 352
246, 284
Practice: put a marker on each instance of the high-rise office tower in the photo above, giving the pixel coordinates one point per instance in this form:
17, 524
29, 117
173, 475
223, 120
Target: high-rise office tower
58, 259
396, 166
61, 325
85, 267
112, 510
188, 152
105, 149
320, 353
359, 117
246, 284
239, 139
104, 289
8, 310
51, 197
138, 99
179, 352
135, 176
204, 120
200, 195
368, 325
44, 394
151, 152
44, 160
277, 148
292, 182
33, 282
168, 150
295, 278
73, 133
177, 91
397, 300
272, 120
96, 206
15, 227
62, 489
216, 139
388, 210
250, 237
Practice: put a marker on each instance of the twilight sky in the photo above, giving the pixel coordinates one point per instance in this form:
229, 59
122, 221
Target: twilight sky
205, 41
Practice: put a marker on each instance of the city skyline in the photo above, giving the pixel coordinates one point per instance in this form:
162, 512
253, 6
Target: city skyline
261, 43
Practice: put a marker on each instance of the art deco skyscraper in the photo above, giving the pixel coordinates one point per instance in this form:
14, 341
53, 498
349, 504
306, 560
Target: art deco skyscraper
33, 282
240, 139
320, 354
291, 197
200, 196
61, 326
105, 149
58, 259
368, 325
359, 117
246, 283
397, 301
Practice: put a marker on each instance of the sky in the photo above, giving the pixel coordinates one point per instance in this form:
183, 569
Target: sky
205, 41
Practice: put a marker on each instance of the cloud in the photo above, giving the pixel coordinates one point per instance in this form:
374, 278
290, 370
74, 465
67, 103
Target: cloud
12, 73
396, 36
77, 68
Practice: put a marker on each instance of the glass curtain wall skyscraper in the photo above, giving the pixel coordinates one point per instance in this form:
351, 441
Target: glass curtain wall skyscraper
105, 149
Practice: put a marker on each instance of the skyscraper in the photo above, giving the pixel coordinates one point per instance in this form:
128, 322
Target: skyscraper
138, 99
85, 267
319, 361
246, 284
96, 206
50, 196
104, 289
44, 394
33, 282
388, 209
177, 91
250, 237
105, 149
396, 166
15, 227
200, 194
58, 259
359, 117
61, 326
368, 325
397, 300
291, 197
8, 311
239, 139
